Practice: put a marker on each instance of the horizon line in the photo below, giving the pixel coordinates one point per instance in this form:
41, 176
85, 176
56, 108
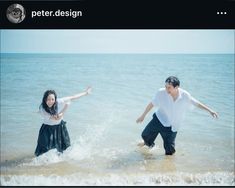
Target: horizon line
73, 53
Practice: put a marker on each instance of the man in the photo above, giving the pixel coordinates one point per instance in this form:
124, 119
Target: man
172, 103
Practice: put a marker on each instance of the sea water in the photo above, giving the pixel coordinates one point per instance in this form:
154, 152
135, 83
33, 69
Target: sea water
102, 126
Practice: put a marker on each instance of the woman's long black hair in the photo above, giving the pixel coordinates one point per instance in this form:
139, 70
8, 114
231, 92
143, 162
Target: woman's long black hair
54, 109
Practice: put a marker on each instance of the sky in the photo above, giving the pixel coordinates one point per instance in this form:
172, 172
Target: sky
117, 41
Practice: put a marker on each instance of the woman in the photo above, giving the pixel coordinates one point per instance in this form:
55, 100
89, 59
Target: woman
53, 132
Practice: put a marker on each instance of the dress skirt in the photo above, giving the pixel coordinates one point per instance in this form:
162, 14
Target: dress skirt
51, 137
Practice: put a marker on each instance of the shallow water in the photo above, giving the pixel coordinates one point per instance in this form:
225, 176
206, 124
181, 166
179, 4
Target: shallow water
102, 126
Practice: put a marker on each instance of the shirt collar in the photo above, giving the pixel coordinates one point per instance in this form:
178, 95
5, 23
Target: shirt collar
179, 96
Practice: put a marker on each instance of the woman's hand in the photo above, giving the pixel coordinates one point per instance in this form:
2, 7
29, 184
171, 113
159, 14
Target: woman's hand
57, 116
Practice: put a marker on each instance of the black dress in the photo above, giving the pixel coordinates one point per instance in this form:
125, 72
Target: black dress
51, 137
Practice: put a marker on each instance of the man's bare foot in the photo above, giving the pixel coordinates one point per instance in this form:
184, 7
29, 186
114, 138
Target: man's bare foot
141, 144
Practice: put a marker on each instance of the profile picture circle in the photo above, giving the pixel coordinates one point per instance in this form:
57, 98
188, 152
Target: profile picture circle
15, 13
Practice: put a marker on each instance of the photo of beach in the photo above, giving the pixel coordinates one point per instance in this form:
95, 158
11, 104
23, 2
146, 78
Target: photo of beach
125, 69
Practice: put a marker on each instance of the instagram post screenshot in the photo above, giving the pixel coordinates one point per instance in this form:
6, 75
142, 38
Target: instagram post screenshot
117, 93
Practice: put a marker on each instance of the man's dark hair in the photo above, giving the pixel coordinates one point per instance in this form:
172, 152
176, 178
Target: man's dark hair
173, 81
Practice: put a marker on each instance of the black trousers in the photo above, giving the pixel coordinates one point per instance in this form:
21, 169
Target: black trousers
151, 131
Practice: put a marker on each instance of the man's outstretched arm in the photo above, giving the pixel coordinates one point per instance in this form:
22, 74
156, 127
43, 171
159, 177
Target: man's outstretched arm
147, 109
204, 107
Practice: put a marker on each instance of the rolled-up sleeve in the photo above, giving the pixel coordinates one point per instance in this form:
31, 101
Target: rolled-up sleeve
155, 100
193, 101
64, 101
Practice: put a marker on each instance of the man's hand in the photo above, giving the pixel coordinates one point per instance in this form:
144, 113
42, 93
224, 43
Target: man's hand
140, 119
88, 90
147, 109
214, 114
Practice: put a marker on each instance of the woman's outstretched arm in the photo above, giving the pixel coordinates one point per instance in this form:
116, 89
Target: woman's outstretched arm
78, 95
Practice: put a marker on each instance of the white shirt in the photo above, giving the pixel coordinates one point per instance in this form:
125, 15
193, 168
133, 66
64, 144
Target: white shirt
46, 116
169, 112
